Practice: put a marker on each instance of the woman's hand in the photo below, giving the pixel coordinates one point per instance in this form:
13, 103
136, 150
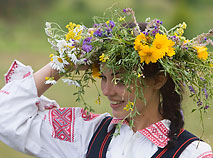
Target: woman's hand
47, 71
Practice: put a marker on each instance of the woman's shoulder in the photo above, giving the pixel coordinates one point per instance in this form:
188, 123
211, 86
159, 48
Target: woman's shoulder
197, 149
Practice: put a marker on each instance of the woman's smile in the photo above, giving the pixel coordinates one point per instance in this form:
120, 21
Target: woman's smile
116, 104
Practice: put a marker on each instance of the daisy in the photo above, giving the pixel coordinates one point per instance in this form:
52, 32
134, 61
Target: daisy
58, 63
50, 80
71, 82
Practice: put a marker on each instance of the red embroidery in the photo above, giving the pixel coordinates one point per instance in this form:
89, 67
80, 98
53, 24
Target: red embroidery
3, 91
52, 106
88, 116
157, 133
45, 116
207, 154
27, 74
116, 121
11, 72
62, 120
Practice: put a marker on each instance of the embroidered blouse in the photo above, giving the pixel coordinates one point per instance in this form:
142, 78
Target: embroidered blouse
38, 126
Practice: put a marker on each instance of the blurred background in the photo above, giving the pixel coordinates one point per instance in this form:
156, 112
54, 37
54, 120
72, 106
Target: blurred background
22, 37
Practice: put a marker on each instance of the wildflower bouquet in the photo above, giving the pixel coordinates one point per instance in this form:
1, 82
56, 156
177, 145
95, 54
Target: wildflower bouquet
111, 42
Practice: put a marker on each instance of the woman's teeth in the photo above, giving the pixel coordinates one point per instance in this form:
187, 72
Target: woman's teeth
116, 102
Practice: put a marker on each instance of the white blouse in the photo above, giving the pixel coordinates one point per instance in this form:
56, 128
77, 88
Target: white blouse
37, 126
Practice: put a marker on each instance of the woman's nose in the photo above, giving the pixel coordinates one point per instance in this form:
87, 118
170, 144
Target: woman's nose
108, 88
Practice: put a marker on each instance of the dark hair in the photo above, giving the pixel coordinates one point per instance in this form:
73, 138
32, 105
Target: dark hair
170, 106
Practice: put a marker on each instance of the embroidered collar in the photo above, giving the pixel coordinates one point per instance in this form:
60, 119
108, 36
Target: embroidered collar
157, 133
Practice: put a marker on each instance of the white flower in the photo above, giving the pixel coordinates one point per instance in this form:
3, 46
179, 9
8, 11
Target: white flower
50, 81
62, 46
71, 82
48, 31
73, 58
58, 63
48, 25
53, 43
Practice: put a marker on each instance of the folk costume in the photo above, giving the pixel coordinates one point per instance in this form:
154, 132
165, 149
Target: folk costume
38, 126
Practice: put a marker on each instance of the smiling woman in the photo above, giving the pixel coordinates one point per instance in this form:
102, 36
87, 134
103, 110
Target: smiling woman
143, 72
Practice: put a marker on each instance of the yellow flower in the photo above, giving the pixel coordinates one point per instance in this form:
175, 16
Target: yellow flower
51, 55
140, 40
171, 51
129, 106
60, 60
161, 44
211, 65
139, 75
74, 31
148, 54
98, 101
184, 25
121, 19
201, 52
46, 78
186, 41
95, 71
180, 31
103, 58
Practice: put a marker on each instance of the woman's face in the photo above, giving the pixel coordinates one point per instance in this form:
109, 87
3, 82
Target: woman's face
119, 97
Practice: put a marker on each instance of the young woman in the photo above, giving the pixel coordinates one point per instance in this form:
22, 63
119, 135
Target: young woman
35, 125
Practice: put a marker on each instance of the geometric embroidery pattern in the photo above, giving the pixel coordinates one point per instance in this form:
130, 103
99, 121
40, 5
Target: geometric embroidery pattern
11, 72
87, 116
63, 122
157, 133
206, 155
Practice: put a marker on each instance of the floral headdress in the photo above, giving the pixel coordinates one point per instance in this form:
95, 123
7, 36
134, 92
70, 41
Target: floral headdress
110, 42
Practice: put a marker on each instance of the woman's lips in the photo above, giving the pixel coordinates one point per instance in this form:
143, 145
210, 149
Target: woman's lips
116, 104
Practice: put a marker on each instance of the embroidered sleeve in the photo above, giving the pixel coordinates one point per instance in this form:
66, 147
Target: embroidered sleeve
197, 149
37, 126
21, 115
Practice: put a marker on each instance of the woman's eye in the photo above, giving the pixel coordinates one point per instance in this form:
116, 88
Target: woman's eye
102, 77
118, 81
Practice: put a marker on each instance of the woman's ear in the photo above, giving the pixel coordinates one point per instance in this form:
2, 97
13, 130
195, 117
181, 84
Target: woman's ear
160, 79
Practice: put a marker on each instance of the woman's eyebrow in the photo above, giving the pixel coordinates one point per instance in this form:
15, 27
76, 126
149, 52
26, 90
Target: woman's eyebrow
113, 74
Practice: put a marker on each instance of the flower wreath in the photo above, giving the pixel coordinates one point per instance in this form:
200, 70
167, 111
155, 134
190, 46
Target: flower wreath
186, 61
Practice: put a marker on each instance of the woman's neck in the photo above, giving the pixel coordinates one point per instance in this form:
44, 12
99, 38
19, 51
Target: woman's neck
149, 115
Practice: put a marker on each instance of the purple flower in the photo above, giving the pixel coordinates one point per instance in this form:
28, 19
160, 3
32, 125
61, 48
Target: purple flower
199, 103
161, 22
98, 33
124, 10
111, 24
145, 33
206, 107
87, 40
205, 92
191, 89
203, 79
95, 25
154, 32
158, 21
86, 47
205, 38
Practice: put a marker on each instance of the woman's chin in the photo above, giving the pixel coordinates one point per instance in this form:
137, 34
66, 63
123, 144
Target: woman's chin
119, 114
